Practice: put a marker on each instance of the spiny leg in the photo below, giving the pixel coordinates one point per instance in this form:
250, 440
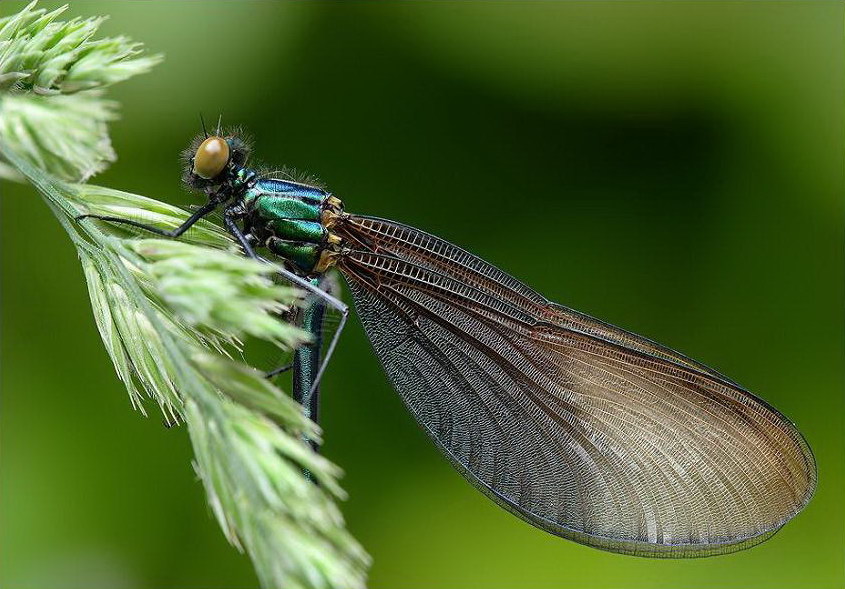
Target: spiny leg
232, 227
310, 398
307, 361
328, 286
326, 299
288, 316
330, 301
303, 283
277, 371
196, 216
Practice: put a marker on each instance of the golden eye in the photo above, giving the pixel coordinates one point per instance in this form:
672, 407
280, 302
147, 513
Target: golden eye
211, 157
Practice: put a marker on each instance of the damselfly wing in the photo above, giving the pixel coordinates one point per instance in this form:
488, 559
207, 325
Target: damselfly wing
578, 427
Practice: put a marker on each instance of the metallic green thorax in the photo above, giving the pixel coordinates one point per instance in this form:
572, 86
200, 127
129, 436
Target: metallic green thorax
286, 217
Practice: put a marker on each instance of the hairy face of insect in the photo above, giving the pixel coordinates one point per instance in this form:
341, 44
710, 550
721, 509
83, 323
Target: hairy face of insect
211, 158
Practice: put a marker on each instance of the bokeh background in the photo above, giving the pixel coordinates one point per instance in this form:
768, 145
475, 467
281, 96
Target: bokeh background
674, 168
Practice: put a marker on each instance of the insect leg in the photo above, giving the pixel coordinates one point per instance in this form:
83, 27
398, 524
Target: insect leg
196, 216
326, 298
330, 301
279, 370
232, 227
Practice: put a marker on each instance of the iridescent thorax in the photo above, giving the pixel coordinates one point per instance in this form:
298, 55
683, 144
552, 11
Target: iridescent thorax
290, 219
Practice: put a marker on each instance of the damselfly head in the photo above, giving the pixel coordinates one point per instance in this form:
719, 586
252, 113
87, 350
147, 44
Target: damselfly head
213, 160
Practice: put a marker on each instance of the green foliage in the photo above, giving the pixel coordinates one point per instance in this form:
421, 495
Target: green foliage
232, 295
48, 57
50, 73
170, 313
67, 135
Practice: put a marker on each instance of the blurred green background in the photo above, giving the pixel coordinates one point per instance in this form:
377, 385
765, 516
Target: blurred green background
676, 169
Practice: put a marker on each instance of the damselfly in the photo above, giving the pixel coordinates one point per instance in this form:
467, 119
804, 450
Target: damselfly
576, 426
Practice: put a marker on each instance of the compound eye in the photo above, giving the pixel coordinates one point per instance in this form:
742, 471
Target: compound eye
211, 157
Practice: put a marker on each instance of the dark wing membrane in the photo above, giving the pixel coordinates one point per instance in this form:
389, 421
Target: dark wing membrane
578, 431
426, 250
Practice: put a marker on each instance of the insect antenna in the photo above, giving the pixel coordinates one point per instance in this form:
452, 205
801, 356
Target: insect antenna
204, 130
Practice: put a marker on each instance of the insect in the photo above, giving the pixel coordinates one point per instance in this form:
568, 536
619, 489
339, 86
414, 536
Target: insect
578, 427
